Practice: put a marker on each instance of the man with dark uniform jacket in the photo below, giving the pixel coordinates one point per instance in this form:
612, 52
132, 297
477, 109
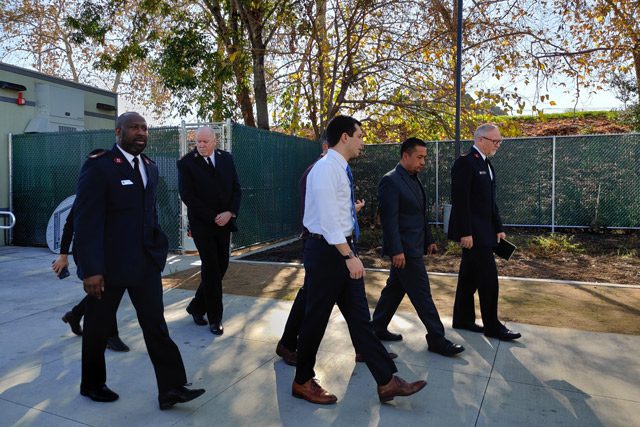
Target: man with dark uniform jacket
73, 317
475, 223
119, 246
210, 188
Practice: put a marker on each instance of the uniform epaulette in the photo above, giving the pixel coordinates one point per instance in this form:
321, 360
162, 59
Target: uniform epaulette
97, 153
147, 160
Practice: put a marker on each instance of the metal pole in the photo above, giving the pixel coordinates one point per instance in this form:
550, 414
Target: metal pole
458, 76
228, 136
10, 234
553, 186
437, 183
183, 207
228, 126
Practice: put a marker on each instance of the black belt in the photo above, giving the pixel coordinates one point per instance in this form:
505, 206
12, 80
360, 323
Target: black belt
321, 237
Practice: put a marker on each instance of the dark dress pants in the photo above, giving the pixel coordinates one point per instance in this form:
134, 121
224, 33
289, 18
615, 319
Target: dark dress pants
478, 271
79, 309
214, 255
147, 300
413, 281
292, 328
329, 283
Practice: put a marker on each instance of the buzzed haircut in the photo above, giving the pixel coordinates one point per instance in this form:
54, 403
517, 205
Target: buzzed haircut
124, 117
339, 125
409, 145
483, 129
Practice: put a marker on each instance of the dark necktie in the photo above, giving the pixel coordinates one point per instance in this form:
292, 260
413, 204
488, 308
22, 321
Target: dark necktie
137, 176
356, 228
210, 163
489, 167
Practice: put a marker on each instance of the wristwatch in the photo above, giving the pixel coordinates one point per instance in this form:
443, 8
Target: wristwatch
349, 255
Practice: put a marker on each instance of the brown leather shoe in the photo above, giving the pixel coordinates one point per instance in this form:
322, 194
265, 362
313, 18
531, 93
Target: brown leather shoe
398, 387
360, 357
312, 392
289, 357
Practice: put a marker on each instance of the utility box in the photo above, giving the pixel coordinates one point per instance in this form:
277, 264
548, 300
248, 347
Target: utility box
33, 102
58, 109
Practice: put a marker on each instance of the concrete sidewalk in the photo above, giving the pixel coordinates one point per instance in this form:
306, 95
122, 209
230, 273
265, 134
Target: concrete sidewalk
552, 376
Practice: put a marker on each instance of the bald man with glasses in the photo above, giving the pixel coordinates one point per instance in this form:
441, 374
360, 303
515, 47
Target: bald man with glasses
475, 223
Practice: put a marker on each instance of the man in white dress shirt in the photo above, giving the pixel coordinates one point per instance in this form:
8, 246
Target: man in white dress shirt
335, 274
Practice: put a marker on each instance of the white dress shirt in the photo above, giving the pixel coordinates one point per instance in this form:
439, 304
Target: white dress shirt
143, 170
327, 204
485, 159
213, 158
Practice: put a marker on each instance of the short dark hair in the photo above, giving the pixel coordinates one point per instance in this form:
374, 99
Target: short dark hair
339, 125
125, 117
410, 144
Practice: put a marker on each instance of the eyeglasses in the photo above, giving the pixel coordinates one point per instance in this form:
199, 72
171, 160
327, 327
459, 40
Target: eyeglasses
495, 141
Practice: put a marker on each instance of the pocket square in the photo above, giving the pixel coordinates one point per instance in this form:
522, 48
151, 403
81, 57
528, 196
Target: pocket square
126, 182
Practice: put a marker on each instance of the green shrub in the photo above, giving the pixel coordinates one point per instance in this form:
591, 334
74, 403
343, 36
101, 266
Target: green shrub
453, 248
631, 116
552, 245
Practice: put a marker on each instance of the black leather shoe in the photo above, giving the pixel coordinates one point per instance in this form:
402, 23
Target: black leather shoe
446, 348
198, 319
74, 323
388, 336
360, 357
504, 335
473, 327
115, 343
216, 328
100, 394
178, 395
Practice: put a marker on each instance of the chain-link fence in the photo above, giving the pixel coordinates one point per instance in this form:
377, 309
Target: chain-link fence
579, 181
45, 169
269, 166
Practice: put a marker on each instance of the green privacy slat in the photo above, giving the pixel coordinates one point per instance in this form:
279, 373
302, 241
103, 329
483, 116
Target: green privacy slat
597, 179
46, 168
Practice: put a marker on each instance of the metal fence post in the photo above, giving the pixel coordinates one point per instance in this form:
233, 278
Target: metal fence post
228, 126
10, 152
437, 183
228, 137
183, 209
553, 185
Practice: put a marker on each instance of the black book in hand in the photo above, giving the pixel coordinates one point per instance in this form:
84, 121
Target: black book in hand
504, 249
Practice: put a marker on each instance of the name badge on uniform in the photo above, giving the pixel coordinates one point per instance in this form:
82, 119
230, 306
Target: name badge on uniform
483, 172
126, 182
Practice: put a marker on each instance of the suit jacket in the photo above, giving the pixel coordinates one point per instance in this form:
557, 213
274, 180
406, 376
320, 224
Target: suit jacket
209, 191
115, 220
474, 210
403, 213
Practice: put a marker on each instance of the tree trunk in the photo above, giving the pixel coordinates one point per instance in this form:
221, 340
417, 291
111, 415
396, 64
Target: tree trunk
636, 63
260, 85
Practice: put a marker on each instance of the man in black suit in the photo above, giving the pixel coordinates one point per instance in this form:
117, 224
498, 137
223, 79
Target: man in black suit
210, 188
475, 223
406, 239
73, 317
119, 246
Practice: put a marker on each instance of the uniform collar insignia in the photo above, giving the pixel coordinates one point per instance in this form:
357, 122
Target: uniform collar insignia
476, 155
118, 160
